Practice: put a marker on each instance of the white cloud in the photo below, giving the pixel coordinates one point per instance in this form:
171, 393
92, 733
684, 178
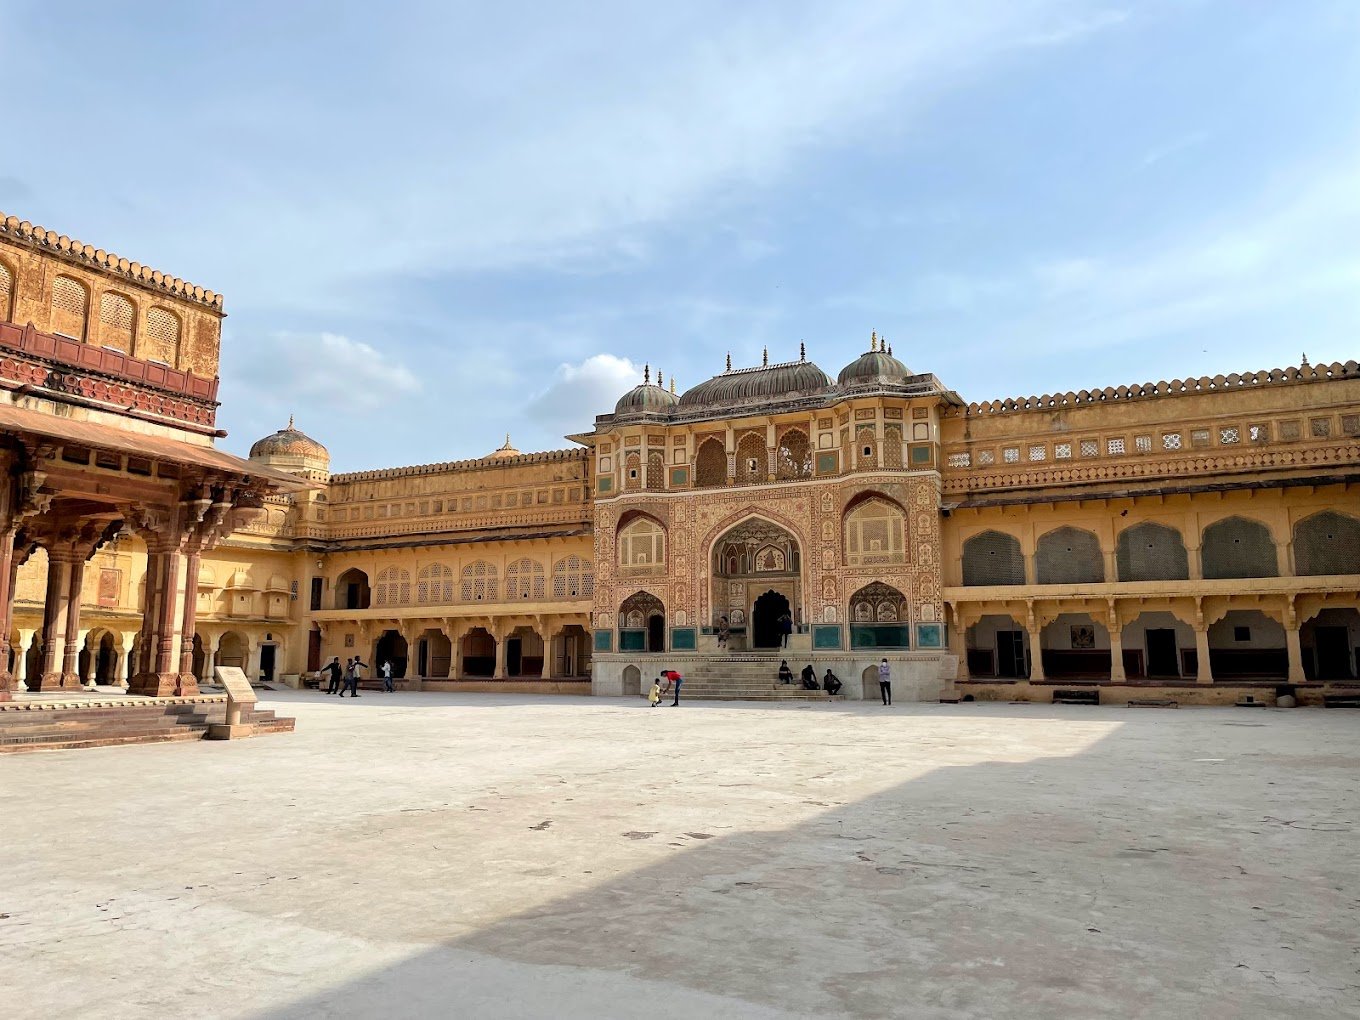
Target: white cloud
581, 391
346, 375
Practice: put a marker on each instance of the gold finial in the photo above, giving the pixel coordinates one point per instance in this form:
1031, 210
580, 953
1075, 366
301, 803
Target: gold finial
764, 356
646, 374
729, 361
672, 384
507, 441
802, 351
290, 423
873, 341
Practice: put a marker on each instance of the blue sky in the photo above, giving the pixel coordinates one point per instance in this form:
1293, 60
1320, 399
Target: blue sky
436, 223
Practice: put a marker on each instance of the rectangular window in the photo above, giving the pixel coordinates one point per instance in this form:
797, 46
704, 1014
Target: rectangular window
986, 457
1321, 427
959, 460
1038, 452
1199, 437
1090, 448
1289, 430
1062, 451
1350, 424
1241, 633
1143, 444
1114, 446
315, 602
1228, 434
1011, 454
1258, 433
1171, 441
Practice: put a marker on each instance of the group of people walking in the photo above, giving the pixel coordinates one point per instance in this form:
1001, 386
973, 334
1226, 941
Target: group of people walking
346, 678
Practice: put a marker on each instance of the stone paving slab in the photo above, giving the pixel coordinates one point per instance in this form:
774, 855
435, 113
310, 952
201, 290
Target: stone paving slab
498, 856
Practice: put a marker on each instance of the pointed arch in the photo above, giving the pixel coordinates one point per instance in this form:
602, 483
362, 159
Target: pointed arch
117, 321
6, 292
1238, 547
710, 464
874, 529
752, 459
1327, 543
479, 582
993, 557
434, 584
793, 459
573, 577
524, 580
1151, 552
641, 543
1068, 556
393, 587
70, 307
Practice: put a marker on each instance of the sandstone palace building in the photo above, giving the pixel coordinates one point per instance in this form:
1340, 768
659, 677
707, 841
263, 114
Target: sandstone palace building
1199, 535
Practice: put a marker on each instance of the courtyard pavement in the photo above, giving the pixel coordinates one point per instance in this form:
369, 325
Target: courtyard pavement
428, 855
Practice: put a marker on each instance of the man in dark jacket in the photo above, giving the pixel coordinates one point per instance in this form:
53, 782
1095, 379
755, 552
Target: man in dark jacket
831, 683
336, 672
809, 676
355, 665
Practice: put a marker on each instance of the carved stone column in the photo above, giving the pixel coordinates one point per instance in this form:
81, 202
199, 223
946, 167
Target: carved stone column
9, 569
1292, 643
502, 637
1116, 629
188, 683
54, 614
70, 660
1036, 656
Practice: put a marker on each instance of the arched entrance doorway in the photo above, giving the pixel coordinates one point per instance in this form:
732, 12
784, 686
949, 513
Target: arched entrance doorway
391, 648
352, 590
479, 653
766, 629
757, 578
642, 623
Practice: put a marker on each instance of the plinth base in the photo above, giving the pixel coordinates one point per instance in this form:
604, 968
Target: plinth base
56, 682
229, 731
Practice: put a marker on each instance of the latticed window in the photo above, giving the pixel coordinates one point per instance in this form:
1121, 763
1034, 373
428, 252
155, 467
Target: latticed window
993, 558
1062, 451
642, 544
6, 293
959, 460
1171, 441
794, 458
1350, 423
1289, 430
751, 458
1143, 444
1090, 448
656, 473
70, 303
434, 585
866, 448
573, 578
1151, 552
632, 470
1199, 437
1321, 427
878, 603
1115, 446
479, 582
1259, 433
1038, 452
161, 340
393, 587
986, 457
710, 464
875, 532
1228, 434
524, 580
1327, 543
1238, 547
116, 316
1068, 556
892, 446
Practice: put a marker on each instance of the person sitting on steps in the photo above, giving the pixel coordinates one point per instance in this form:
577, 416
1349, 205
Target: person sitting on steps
785, 674
724, 632
809, 677
831, 683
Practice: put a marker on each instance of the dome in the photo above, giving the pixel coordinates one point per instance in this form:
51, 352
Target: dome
505, 451
289, 442
876, 367
647, 397
799, 378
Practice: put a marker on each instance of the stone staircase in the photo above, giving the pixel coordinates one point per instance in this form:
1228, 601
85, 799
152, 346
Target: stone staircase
105, 722
745, 677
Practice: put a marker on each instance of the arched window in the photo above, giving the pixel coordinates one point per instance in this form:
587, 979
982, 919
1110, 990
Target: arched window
1327, 543
878, 603
1238, 547
892, 446
993, 558
524, 580
393, 587
70, 307
642, 545
710, 464
434, 585
1068, 556
1151, 552
656, 470
751, 458
573, 578
866, 448
480, 582
161, 340
794, 458
875, 532
116, 321
6, 293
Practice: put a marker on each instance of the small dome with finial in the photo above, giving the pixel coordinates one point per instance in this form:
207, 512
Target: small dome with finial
505, 451
289, 448
875, 367
649, 397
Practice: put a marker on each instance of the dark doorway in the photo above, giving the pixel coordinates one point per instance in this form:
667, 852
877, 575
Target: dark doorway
197, 657
479, 653
1162, 657
765, 629
313, 651
1333, 653
107, 662
391, 648
1010, 653
656, 633
514, 656
267, 654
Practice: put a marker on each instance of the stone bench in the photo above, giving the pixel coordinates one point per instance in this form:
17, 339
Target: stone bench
1076, 697
1153, 703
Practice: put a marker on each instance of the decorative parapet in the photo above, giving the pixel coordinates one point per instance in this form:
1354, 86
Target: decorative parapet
1304, 373
416, 470
87, 255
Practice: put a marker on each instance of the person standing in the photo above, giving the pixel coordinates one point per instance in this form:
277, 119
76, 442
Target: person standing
387, 677
785, 628
724, 632
885, 682
337, 673
676, 679
355, 674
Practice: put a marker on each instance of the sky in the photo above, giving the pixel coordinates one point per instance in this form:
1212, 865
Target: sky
434, 224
